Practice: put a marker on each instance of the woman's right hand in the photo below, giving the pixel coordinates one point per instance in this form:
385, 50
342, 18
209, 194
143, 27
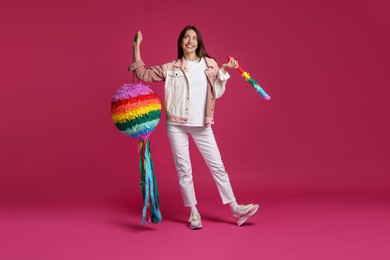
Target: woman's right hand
138, 38
136, 46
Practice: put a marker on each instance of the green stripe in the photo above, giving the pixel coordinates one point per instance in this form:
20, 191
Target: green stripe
152, 115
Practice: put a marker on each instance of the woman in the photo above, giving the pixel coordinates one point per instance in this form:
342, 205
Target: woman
192, 83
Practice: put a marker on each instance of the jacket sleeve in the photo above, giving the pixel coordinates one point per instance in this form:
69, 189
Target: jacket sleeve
220, 83
152, 74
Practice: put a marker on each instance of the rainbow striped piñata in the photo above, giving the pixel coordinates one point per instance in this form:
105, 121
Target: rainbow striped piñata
136, 111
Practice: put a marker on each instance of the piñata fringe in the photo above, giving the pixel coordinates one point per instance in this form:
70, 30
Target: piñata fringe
151, 209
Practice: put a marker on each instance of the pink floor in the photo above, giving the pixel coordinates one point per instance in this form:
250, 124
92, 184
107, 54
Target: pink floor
286, 227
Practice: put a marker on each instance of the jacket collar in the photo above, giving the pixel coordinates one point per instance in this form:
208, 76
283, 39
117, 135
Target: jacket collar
179, 63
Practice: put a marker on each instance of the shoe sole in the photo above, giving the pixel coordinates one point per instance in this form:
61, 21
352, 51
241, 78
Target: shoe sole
195, 227
242, 221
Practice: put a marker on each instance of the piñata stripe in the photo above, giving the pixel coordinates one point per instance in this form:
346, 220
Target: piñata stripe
133, 106
129, 115
131, 90
139, 120
133, 99
141, 129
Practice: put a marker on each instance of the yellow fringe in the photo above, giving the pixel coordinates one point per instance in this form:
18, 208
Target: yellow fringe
246, 76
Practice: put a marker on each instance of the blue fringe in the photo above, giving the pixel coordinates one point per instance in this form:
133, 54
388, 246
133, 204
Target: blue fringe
149, 181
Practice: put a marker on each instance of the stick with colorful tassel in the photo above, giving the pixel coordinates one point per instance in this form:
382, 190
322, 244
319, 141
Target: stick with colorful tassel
252, 82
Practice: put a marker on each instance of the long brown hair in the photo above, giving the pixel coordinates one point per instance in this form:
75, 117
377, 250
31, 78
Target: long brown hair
200, 51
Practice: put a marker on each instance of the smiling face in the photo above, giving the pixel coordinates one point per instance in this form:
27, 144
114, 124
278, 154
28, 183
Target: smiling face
189, 43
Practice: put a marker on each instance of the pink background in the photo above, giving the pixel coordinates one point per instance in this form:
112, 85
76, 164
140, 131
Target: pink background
324, 133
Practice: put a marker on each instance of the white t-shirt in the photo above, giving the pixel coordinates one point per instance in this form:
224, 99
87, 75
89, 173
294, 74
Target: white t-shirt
198, 92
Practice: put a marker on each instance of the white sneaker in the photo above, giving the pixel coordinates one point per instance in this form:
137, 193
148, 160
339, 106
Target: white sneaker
195, 221
244, 212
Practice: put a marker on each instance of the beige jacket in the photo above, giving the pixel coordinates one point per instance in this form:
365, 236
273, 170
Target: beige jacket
177, 94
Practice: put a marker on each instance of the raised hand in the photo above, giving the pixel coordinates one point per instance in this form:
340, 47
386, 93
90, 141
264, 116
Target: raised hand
136, 46
138, 38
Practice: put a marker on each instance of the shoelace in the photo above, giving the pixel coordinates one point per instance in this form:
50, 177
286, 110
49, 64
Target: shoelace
193, 217
240, 209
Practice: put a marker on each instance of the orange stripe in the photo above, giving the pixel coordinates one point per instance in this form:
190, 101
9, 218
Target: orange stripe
133, 106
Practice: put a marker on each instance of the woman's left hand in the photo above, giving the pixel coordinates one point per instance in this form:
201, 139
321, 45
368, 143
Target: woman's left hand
232, 64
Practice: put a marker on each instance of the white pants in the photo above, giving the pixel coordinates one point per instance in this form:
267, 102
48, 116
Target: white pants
203, 137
